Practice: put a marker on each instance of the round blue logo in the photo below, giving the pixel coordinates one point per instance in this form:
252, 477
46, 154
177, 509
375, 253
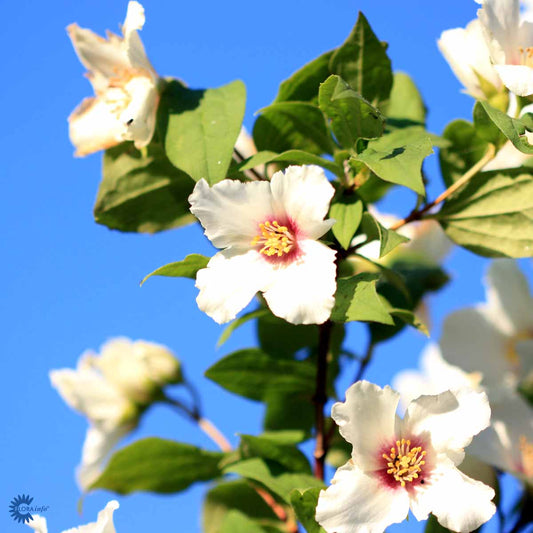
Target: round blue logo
19, 508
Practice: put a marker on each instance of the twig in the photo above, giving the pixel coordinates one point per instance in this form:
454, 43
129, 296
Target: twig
364, 362
320, 397
278, 509
215, 434
416, 214
255, 176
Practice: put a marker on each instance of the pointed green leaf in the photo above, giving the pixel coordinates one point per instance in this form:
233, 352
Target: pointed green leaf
297, 157
201, 126
158, 465
181, 269
142, 191
287, 126
348, 212
397, 157
513, 129
485, 127
363, 62
406, 106
289, 412
351, 116
356, 299
226, 334
304, 504
492, 215
303, 85
237, 522
273, 476
237, 495
388, 239
254, 374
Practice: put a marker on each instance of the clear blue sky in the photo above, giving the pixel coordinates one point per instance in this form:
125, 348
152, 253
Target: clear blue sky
69, 284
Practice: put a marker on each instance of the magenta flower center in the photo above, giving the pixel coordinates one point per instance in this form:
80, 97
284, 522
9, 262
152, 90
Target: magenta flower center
276, 240
404, 464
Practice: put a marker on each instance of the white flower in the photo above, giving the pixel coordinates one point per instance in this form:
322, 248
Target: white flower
510, 42
103, 524
125, 85
268, 232
468, 55
398, 465
495, 338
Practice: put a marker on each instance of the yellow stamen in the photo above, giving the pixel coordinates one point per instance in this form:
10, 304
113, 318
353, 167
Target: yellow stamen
526, 56
275, 240
405, 463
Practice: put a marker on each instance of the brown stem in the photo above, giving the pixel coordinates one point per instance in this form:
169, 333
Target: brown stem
320, 398
278, 509
417, 214
364, 362
214, 434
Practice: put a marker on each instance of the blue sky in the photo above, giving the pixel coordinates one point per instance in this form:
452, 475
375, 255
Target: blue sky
69, 284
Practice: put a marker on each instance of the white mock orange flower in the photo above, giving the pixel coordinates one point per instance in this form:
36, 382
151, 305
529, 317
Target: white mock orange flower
125, 84
510, 41
103, 524
268, 233
397, 465
468, 55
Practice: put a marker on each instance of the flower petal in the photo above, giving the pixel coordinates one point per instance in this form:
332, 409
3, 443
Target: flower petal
356, 502
93, 126
449, 419
103, 524
509, 300
517, 78
133, 45
302, 292
95, 452
303, 193
507, 157
460, 503
38, 524
367, 421
230, 281
231, 211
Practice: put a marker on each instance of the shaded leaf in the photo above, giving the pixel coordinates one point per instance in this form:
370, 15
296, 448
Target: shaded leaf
233, 325
201, 126
187, 268
158, 465
237, 522
142, 191
406, 106
388, 239
304, 504
348, 212
486, 129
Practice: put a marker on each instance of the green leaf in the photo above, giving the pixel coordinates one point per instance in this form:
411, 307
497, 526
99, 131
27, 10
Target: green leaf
287, 126
513, 129
397, 157
348, 212
362, 61
181, 269
388, 239
226, 334
142, 191
289, 412
356, 299
351, 116
237, 522
254, 374
237, 495
287, 455
492, 215
433, 526
200, 128
303, 85
157, 465
304, 504
409, 318
297, 157
485, 127
273, 476
465, 150
406, 106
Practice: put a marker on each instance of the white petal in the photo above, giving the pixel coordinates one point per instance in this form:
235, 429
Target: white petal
103, 58
509, 301
517, 78
367, 421
428, 240
303, 193
449, 419
93, 126
133, 45
38, 524
358, 503
95, 452
507, 157
303, 291
230, 281
103, 524
460, 503
231, 211
471, 341
87, 392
